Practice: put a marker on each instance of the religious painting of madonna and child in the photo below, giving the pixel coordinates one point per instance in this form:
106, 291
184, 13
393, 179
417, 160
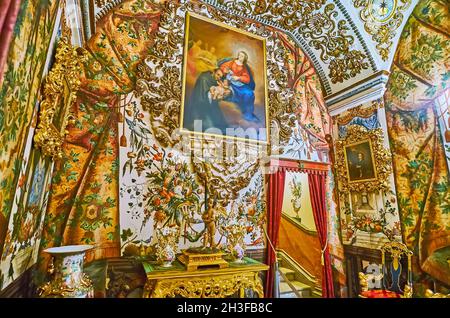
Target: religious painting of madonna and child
224, 81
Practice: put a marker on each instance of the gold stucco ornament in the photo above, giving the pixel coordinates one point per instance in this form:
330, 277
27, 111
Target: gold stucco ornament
60, 91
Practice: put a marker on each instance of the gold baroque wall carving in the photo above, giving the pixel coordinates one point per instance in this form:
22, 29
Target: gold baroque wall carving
316, 22
359, 111
60, 90
159, 89
383, 31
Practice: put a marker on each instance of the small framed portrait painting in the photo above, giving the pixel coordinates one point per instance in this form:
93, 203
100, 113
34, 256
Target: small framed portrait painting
360, 161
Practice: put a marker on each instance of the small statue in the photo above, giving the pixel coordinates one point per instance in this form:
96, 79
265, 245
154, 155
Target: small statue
363, 282
209, 219
407, 291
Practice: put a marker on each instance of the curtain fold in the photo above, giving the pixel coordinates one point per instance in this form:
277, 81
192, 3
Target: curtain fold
318, 202
274, 205
9, 10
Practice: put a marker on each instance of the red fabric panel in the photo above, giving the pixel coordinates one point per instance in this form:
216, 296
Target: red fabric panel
317, 192
274, 205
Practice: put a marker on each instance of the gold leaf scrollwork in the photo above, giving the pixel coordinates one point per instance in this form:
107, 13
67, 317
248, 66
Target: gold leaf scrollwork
359, 111
60, 90
381, 156
159, 77
317, 25
159, 89
212, 287
229, 171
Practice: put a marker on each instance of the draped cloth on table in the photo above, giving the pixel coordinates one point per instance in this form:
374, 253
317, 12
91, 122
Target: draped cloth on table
84, 204
9, 9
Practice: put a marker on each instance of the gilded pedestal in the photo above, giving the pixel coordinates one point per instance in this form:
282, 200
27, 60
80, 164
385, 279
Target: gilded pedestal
203, 283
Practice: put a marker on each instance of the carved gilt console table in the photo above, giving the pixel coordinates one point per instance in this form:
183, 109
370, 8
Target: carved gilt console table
204, 282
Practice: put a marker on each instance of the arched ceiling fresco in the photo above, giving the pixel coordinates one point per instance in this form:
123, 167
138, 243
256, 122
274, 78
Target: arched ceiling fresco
351, 42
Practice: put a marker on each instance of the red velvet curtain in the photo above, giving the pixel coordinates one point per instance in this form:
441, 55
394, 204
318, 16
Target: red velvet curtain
274, 205
8, 15
317, 192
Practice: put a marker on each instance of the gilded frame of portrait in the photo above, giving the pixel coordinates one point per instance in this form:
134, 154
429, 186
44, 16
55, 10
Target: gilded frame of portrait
59, 94
371, 168
380, 157
207, 135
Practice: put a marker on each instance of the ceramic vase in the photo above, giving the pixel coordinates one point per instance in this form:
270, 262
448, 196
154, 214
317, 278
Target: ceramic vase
167, 245
238, 253
166, 256
68, 279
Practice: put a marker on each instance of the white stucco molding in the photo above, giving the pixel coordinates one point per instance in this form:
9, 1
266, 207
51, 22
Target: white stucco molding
357, 94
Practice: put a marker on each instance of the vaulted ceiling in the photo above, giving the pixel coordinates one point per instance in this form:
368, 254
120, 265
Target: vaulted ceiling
351, 42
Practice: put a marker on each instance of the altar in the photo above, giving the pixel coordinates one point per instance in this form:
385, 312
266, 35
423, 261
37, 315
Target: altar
207, 282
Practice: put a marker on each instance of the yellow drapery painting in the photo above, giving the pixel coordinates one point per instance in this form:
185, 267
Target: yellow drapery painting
83, 205
419, 75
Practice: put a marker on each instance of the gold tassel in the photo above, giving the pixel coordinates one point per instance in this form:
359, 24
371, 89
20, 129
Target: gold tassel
123, 141
322, 261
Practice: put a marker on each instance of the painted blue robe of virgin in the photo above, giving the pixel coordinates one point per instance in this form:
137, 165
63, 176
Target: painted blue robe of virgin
243, 94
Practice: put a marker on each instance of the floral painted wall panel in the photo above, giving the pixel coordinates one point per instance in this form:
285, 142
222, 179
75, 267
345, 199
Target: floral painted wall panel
419, 77
367, 220
151, 195
18, 95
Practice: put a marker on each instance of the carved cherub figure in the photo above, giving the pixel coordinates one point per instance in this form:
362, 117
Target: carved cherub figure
209, 218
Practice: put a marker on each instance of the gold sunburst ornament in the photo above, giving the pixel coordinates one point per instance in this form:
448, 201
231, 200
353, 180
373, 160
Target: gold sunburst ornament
362, 162
381, 19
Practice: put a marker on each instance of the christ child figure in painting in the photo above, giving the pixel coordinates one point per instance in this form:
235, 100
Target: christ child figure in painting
220, 91
242, 84
209, 219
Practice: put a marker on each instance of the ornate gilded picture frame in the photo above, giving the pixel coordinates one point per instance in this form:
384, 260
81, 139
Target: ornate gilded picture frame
363, 164
224, 84
360, 161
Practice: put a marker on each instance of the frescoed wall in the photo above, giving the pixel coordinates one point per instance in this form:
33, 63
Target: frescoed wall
416, 97
298, 233
297, 201
124, 174
24, 176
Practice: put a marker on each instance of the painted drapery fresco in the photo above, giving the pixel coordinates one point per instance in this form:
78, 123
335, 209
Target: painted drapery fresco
419, 75
83, 204
19, 92
313, 122
8, 14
